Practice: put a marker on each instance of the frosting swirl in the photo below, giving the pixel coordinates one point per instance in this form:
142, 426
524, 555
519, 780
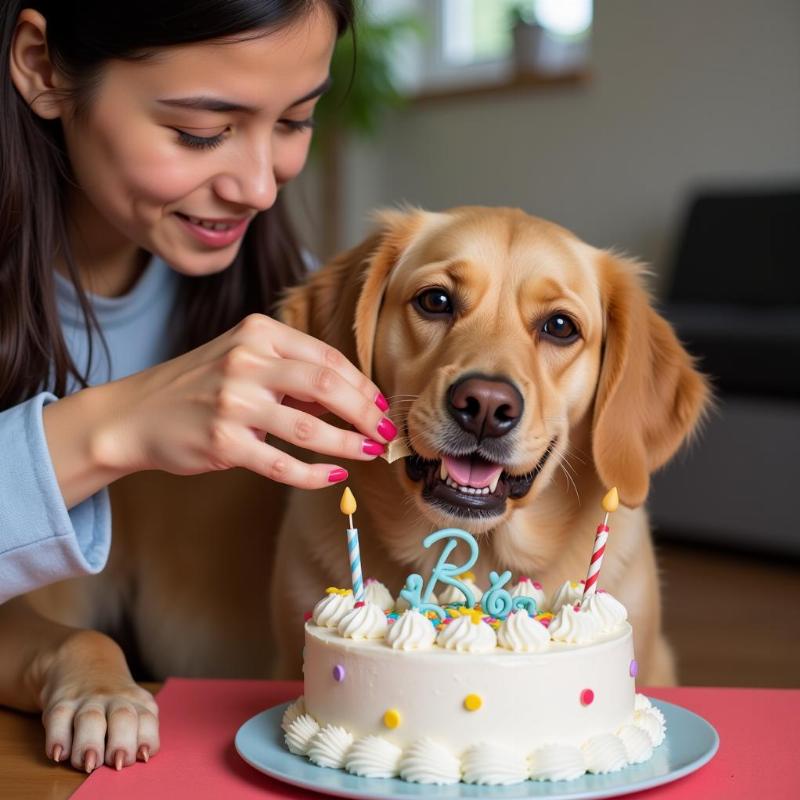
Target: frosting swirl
300, 732
375, 592
522, 634
426, 761
573, 626
636, 741
466, 636
604, 753
363, 622
557, 762
293, 711
651, 721
607, 610
374, 757
569, 593
412, 631
525, 587
329, 611
492, 765
329, 746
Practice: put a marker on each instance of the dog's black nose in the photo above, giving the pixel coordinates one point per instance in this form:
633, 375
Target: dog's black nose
486, 407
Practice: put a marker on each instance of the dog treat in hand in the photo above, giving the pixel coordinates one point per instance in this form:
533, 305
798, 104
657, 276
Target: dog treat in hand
396, 449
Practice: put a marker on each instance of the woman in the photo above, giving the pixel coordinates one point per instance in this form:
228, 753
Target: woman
142, 244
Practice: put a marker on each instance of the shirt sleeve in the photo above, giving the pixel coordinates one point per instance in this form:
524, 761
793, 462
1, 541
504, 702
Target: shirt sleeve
41, 541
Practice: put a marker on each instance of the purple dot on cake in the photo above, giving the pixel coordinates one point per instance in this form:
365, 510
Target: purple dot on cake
338, 673
587, 697
634, 670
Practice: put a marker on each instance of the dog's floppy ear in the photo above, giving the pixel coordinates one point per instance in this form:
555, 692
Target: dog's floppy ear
649, 395
340, 303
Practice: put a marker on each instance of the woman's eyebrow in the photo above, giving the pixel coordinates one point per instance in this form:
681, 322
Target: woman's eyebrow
207, 103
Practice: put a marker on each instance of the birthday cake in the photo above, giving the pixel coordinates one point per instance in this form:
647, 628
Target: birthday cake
487, 687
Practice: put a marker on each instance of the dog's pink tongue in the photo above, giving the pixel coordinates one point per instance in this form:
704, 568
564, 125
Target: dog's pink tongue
467, 472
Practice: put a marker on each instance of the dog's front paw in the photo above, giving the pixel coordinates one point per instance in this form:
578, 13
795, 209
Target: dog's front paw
93, 712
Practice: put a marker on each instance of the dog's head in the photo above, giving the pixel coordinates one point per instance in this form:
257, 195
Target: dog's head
497, 337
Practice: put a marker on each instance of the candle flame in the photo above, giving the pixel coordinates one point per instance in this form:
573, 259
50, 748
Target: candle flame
348, 502
610, 501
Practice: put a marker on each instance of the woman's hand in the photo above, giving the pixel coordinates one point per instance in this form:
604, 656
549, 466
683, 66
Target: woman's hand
212, 408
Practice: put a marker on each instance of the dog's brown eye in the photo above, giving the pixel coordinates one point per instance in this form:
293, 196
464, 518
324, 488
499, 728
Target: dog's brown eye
434, 301
560, 327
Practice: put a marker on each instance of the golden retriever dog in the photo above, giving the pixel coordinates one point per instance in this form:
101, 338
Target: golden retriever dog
528, 373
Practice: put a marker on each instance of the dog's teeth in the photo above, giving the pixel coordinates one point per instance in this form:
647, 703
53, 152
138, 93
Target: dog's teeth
443, 471
493, 484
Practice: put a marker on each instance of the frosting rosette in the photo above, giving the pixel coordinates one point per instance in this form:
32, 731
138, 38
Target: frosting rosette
569, 593
557, 762
374, 757
365, 621
427, 761
451, 595
651, 721
604, 753
607, 610
329, 611
375, 592
638, 746
293, 711
412, 631
467, 635
329, 747
522, 634
493, 765
525, 587
300, 732
574, 627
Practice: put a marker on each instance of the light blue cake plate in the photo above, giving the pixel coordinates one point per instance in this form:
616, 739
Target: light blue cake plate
690, 743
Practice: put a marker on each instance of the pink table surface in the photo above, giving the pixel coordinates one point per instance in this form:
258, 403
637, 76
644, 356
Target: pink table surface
757, 758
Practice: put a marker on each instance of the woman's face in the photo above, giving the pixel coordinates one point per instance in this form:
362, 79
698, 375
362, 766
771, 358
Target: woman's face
176, 153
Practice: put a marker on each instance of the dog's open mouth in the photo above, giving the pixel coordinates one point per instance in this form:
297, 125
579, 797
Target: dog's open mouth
470, 486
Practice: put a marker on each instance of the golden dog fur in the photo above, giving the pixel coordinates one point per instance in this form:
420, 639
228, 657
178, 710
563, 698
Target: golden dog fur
187, 588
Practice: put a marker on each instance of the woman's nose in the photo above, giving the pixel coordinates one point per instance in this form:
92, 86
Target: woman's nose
249, 180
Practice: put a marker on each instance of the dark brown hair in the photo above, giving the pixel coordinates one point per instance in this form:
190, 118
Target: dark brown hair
82, 35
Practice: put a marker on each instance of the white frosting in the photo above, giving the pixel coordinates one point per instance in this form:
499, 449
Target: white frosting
466, 636
569, 593
328, 748
375, 592
492, 765
641, 702
451, 594
293, 711
426, 761
604, 753
607, 610
638, 747
364, 622
569, 625
401, 604
525, 587
411, 631
300, 732
522, 634
329, 611
557, 762
374, 757
651, 721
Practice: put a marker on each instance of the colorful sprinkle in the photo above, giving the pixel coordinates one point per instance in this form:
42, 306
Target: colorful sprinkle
634, 669
472, 702
359, 604
334, 590
537, 585
587, 697
338, 673
391, 719
307, 615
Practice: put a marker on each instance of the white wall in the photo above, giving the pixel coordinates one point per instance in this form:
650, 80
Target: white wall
682, 93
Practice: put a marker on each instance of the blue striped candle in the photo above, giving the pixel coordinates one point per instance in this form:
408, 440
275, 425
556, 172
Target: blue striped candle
348, 506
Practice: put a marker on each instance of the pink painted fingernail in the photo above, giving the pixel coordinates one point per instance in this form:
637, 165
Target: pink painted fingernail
57, 750
372, 448
387, 429
337, 475
89, 761
144, 753
381, 402
119, 759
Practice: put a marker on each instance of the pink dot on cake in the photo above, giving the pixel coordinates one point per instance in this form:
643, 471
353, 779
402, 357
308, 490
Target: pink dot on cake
587, 697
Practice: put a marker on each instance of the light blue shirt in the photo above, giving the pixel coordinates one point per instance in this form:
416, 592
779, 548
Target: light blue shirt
41, 540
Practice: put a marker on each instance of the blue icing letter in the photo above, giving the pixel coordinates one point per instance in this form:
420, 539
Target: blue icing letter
412, 592
496, 601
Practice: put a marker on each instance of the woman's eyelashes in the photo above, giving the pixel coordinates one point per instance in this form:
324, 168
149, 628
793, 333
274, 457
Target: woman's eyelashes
209, 142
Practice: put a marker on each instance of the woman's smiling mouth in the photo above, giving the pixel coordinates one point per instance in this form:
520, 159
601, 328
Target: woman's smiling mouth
214, 232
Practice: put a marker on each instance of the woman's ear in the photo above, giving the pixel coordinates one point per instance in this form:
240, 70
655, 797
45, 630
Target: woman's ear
649, 395
32, 71
340, 303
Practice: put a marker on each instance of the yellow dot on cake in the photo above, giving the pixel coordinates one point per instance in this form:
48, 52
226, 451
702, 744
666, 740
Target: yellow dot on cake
392, 719
472, 702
